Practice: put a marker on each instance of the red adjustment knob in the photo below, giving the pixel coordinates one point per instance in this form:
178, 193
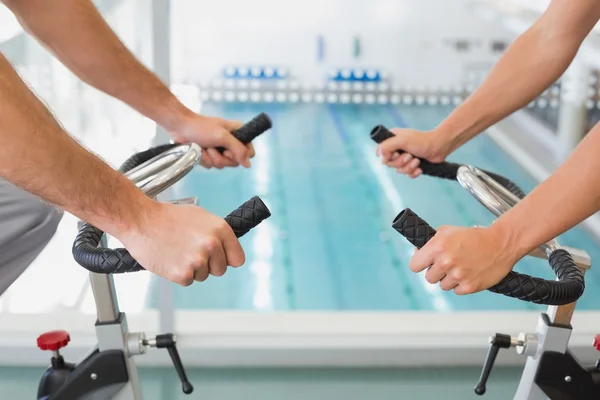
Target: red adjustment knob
597, 342
53, 340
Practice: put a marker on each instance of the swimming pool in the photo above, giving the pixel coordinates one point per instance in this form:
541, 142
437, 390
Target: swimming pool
329, 243
326, 281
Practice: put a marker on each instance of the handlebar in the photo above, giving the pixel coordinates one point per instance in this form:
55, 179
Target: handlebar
109, 261
446, 170
570, 284
567, 289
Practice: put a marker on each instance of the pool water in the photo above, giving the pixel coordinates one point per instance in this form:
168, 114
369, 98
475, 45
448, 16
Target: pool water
329, 244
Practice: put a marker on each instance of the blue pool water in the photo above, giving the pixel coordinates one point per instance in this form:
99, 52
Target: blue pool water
329, 243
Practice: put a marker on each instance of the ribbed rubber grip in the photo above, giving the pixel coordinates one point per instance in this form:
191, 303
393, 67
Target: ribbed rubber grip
113, 261
446, 170
566, 290
253, 128
247, 216
116, 261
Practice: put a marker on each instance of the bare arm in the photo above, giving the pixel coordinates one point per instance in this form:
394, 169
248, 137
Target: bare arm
77, 34
531, 64
565, 199
38, 155
468, 260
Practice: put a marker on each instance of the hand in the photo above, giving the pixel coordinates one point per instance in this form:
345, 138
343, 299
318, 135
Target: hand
426, 145
212, 132
466, 260
183, 243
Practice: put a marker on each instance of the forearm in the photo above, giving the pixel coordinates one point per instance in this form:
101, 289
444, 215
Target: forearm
39, 156
77, 34
530, 65
559, 203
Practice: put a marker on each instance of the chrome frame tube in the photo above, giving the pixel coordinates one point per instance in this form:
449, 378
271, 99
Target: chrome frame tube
159, 173
153, 177
495, 197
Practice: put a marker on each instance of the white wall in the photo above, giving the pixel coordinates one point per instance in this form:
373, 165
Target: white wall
406, 38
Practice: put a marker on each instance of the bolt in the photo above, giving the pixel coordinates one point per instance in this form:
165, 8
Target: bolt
567, 379
94, 376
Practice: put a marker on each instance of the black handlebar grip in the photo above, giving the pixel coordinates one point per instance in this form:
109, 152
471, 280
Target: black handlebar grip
251, 130
114, 261
445, 169
567, 289
247, 216
413, 228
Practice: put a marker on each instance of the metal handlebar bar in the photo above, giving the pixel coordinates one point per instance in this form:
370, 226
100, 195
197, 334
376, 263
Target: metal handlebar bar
154, 170
498, 194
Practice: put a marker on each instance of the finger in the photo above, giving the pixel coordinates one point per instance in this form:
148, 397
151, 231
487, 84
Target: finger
413, 163
201, 272
251, 152
400, 161
416, 173
406, 171
219, 160
422, 259
388, 147
238, 150
228, 159
234, 253
205, 160
184, 277
231, 157
434, 274
217, 264
447, 283
464, 289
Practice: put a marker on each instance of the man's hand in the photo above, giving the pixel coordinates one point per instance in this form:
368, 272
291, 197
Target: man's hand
183, 243
212, 132
427, 145
467, 260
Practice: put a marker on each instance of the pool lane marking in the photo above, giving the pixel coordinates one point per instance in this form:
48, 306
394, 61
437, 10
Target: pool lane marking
282, 213
364, 182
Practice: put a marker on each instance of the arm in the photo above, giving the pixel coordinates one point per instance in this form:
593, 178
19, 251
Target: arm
469, 260
77, 34
76, 180
532, 63
562, 201
38, 155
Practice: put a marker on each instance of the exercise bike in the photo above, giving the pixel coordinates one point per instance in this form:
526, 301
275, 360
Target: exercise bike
109, 370
551, 370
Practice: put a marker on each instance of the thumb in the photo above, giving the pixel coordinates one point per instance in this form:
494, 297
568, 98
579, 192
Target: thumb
231, 125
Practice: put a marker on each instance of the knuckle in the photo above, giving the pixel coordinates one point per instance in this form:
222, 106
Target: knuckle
211, 244
184, 276
468, 288
446, 287
222, 226
446, 262
457, 274
219, 271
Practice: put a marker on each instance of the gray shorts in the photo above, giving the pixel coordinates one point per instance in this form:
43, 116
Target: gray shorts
26, 226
